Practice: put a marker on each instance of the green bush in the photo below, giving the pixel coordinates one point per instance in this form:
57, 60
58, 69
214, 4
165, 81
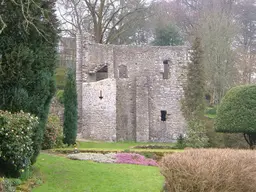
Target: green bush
60, 96
181, 142
236, 113
52, 132
196, 134
16, 145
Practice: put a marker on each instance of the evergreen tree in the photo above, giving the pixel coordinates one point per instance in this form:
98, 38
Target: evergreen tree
70, 111
194, 101
167, 36
28, 50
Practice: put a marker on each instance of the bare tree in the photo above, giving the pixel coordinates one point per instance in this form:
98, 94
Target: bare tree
246, 38
105, 19
213, 21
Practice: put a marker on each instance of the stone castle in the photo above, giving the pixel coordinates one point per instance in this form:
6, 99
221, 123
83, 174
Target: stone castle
131, 93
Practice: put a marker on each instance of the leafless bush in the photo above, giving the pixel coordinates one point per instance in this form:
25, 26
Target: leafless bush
210, 170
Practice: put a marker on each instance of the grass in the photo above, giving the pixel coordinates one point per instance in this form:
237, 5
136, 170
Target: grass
116, 145
64, 175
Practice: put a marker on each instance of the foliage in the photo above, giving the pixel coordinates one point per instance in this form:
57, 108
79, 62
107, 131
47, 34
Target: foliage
194, 102
223, 140
98, 176
194, 91
196, 132
52, 132
215, 170
211, 110
16, 145
60, 96
60, 77
70, 111
181, 142
168, 35
28, 56
236, 113
6, 185
234, 140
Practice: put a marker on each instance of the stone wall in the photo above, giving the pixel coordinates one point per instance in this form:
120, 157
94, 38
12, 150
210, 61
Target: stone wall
99, 114
137, 92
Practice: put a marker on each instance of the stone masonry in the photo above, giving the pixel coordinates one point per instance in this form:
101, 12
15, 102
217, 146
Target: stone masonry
131, 93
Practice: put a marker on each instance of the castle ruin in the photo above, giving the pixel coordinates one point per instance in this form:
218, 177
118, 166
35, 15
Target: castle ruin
131, 93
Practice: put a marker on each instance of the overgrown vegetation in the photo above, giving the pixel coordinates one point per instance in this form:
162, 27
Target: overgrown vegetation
27, 60
215, 170
193, 105
53, 133
70, 111
16, 145
236, 113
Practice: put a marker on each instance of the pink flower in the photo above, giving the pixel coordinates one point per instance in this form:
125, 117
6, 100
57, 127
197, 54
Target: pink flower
133, 158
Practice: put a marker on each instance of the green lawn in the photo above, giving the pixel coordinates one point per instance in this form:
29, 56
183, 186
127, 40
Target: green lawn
63, 175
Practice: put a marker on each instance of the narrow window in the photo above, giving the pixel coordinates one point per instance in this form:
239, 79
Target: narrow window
123, 71
163, 115
166, 69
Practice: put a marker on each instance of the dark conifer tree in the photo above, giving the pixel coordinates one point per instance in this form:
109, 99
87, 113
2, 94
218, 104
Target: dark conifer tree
194, 90
194, 101
70, 111
28, 52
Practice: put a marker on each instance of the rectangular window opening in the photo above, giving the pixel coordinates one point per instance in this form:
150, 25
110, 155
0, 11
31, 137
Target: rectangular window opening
163, 115
166, 70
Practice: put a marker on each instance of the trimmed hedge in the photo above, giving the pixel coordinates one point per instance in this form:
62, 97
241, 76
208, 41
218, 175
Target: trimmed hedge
205, 170
16, 145
237, 111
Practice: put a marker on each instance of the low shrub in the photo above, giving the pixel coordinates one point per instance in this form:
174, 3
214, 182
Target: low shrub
215, 170
196, 134
16, 131
52, 134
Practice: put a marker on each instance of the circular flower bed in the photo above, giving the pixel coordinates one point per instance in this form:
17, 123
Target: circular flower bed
126, 158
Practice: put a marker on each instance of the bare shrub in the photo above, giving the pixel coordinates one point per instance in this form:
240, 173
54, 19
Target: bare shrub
210, 170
